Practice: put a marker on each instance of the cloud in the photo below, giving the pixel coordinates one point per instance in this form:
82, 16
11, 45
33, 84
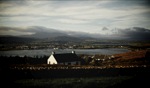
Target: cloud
15, 31
75, 15
105, 29
5, 28
78, 10
137, 33
133, 33
30, 30
72, 21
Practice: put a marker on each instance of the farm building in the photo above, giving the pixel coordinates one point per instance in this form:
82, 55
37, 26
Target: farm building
64, 59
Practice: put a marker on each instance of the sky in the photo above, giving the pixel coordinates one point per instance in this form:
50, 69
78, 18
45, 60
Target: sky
91, 16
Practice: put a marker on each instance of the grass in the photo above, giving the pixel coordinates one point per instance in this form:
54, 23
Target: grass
100, 82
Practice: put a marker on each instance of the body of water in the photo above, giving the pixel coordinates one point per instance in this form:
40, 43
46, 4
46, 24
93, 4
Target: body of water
47, 52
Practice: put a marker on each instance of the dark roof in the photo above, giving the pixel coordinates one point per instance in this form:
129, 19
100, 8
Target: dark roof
67, 57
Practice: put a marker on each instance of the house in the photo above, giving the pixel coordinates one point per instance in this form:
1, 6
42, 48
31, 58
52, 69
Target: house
64, 59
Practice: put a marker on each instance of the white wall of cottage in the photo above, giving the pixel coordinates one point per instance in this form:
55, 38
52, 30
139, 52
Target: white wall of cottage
51, 60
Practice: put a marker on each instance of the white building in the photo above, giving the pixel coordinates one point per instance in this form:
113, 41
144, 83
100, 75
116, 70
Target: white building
64, 59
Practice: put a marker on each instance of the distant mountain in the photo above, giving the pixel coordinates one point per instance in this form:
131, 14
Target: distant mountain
15, 39
67, 38
48, 34
39, 32
43, 32
42, 35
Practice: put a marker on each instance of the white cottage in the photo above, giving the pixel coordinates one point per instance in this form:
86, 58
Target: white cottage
64, 59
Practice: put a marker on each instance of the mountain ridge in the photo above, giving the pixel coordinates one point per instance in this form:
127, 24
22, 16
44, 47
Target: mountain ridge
38, 32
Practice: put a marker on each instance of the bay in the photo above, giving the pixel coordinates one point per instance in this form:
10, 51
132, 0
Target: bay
47, 52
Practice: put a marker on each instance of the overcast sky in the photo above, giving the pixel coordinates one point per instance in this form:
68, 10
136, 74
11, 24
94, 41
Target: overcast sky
76, 15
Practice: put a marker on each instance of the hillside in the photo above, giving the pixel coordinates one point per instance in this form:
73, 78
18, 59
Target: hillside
131, 55
139, 57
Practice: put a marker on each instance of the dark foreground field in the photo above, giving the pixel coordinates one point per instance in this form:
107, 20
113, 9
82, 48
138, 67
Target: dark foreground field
76, 78
97, 82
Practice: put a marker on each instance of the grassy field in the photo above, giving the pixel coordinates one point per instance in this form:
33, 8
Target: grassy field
76, 78
97, 82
